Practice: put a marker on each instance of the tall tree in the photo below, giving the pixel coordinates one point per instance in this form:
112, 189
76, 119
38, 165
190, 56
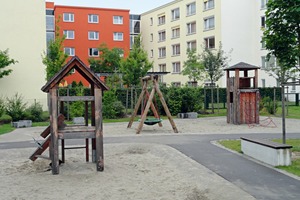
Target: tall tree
5, 61
108, 60
282, 38
214, 61
55, 57
136, 65
192, 67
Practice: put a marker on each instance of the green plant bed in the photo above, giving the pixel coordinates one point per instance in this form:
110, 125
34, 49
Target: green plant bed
294, 168
6, 128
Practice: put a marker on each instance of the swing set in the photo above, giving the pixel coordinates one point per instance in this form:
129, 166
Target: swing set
150, 102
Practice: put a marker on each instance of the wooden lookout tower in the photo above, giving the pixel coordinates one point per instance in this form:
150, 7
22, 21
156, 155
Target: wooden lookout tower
242, 94
61, 132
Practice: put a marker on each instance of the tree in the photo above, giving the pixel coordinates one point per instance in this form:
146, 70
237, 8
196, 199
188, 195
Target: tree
5, 61
108, 60
192, 67
214, 61
136, 65
55, 57
282, 39
282, 35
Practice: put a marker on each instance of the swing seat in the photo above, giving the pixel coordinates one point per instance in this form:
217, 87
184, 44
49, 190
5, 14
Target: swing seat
152, 121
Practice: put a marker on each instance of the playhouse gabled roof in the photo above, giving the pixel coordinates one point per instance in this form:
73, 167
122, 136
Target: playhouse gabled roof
81, 68
242, 66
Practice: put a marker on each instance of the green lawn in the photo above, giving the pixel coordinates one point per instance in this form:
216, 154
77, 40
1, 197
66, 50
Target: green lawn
294, 168
6, 128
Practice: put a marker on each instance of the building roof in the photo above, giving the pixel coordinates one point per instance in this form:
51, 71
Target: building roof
81, 68
242, 66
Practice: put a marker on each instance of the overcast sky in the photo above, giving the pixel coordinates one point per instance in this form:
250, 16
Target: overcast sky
135, 6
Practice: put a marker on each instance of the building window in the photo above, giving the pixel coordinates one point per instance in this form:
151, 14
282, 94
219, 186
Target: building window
135, 26
118, 19
176, 49
161, 36
151, 21
176, 84
176, 32
191, 28
209, 4
50, 22
151, 53
118, 36
93, 18
191, 9
192, 45
263, 83
69, 34
175, 14
162, 67
176, 67
294, 86
263, 4
161, 20
263, 43
93, 35
70, 51
209, 42
263, 21
263, 62
49, 37
209, 23
151, 37
162, 52
68, 17
93, 52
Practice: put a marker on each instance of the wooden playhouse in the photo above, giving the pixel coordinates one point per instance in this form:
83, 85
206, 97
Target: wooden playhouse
242, 94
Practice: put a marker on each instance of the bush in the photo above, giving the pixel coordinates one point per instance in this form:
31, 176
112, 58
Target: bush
2, 106
15, 107
112, 108
77, 109
269, 105
35, 112
5, 119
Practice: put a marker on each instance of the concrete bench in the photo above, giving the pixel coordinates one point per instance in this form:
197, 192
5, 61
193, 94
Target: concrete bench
22, 123
269, 152
189, 115
79, 120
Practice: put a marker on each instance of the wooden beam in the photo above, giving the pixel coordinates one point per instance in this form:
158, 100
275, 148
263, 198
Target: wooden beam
76, 98
54, 134
145, 111
137, 105
99, 130
164, 104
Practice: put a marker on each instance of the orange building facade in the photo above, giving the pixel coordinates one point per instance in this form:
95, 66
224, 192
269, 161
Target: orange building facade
86, 29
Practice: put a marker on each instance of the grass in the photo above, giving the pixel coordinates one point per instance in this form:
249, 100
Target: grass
6, 128
294, 168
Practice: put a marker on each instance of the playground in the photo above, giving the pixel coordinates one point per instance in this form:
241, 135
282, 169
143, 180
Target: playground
132, 171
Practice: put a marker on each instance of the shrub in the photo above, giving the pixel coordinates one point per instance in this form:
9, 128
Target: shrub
269, 105
5, 119
2, 106
77, 109
112, 108
15, 107
35, 112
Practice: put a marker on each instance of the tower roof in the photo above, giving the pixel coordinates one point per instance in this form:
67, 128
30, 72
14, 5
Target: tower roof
242, 66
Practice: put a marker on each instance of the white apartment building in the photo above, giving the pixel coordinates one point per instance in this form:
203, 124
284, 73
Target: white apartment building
23, 33
169, 30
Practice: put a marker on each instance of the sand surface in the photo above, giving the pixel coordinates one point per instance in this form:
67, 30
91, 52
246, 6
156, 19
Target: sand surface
132, 171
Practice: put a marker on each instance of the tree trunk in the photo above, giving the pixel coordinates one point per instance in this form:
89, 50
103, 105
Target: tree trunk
212, 98
283, 113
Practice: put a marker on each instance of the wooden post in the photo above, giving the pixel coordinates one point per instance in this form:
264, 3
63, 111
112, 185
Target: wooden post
86, 117
63, 151
145, 111
137, 105
99, 130
93, 124
54, 134
164, 104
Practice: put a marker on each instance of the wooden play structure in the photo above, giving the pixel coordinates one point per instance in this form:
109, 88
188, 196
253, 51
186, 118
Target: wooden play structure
59, 131
150, 103
242, 94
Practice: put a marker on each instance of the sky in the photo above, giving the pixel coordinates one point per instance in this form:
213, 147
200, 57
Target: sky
135, 6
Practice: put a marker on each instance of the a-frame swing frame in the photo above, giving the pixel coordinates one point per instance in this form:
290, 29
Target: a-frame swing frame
155, 88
